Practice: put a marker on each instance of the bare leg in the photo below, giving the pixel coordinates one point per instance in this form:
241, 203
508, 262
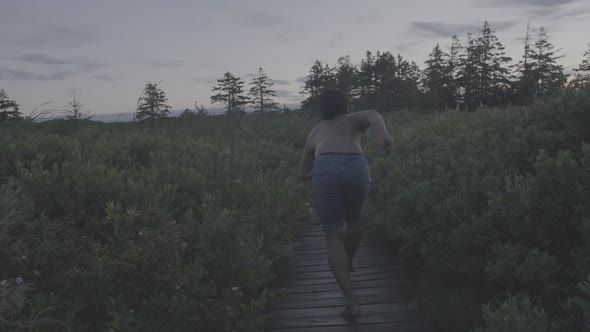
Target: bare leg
352, 240
339, 263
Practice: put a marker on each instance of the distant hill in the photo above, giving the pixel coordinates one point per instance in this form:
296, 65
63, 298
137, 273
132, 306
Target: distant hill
127, 117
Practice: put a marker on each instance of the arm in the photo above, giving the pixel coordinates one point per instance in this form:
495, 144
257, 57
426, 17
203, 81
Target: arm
372, 118
306, 163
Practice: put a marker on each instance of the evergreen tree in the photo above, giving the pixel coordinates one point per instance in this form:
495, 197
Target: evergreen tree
75, 110
525, 70
582, 77
385, 78
452, 69
468, 75
8, 108
548, 76
231, 89
152, 104
346, 75
492, 70
409, 76
262, 93
435, 80
395, 82
366, 81
320, 78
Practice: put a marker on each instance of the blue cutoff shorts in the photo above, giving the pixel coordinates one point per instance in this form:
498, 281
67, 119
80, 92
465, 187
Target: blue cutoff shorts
340, 185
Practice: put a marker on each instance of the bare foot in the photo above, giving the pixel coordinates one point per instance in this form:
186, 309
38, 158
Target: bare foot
351, 311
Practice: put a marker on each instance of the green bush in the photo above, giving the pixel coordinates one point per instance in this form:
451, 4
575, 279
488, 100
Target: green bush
514, 315
491, 202
130, 228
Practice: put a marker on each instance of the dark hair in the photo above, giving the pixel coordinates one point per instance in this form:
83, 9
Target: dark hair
332, 103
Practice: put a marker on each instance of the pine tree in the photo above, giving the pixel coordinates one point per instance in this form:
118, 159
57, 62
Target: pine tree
582, 77
452, 69
346, 75
231, 89
435, 80
385, 75
366, 81
548, 76
75, 110
492, 70
525, 81
261, 93
320, 78
153, 104
8, 108
408, 74
468, 75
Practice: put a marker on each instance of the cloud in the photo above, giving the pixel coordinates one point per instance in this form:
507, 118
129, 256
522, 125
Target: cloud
555, 14
24, 75
78, 66
405, 46
251, 75
301, 79
536, 3
56, 37
39, 58
259, 20
431, 29
281, 82
167, 63
285, 94
74, 67
104, 77
205, 80
437, 29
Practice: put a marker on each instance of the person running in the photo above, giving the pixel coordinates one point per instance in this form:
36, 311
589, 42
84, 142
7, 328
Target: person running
333, 159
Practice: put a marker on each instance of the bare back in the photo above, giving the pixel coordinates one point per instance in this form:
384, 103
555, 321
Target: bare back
342, 134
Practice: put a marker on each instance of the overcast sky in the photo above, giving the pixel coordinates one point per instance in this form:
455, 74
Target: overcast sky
109, 49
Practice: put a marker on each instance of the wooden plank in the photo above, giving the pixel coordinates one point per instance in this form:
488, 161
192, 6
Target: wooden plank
312, 299
329, 274
382, 297
336, 294
399, 282
325, 267
383, 327
337, 320
361, 252
362, 277
335, 311
324, 261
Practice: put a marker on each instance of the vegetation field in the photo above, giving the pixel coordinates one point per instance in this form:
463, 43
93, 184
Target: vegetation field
182, 224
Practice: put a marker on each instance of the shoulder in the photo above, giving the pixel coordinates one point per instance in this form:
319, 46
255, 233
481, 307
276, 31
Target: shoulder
313, 134
362, 118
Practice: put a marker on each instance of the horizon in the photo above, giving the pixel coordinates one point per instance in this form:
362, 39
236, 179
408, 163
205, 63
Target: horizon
52, 48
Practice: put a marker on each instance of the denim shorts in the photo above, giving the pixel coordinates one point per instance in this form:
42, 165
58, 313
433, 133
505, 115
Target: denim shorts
340, 184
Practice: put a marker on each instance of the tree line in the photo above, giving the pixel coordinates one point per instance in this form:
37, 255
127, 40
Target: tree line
464, 76
153, 103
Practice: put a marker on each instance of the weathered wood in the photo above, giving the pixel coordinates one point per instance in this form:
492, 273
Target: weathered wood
329, 274
335, 311
336, 319
383, 296
312, 299
404, 294
353, 278
325, 267
384, 327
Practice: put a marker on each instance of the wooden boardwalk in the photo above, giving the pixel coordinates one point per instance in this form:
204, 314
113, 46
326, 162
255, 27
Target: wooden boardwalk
313, 299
